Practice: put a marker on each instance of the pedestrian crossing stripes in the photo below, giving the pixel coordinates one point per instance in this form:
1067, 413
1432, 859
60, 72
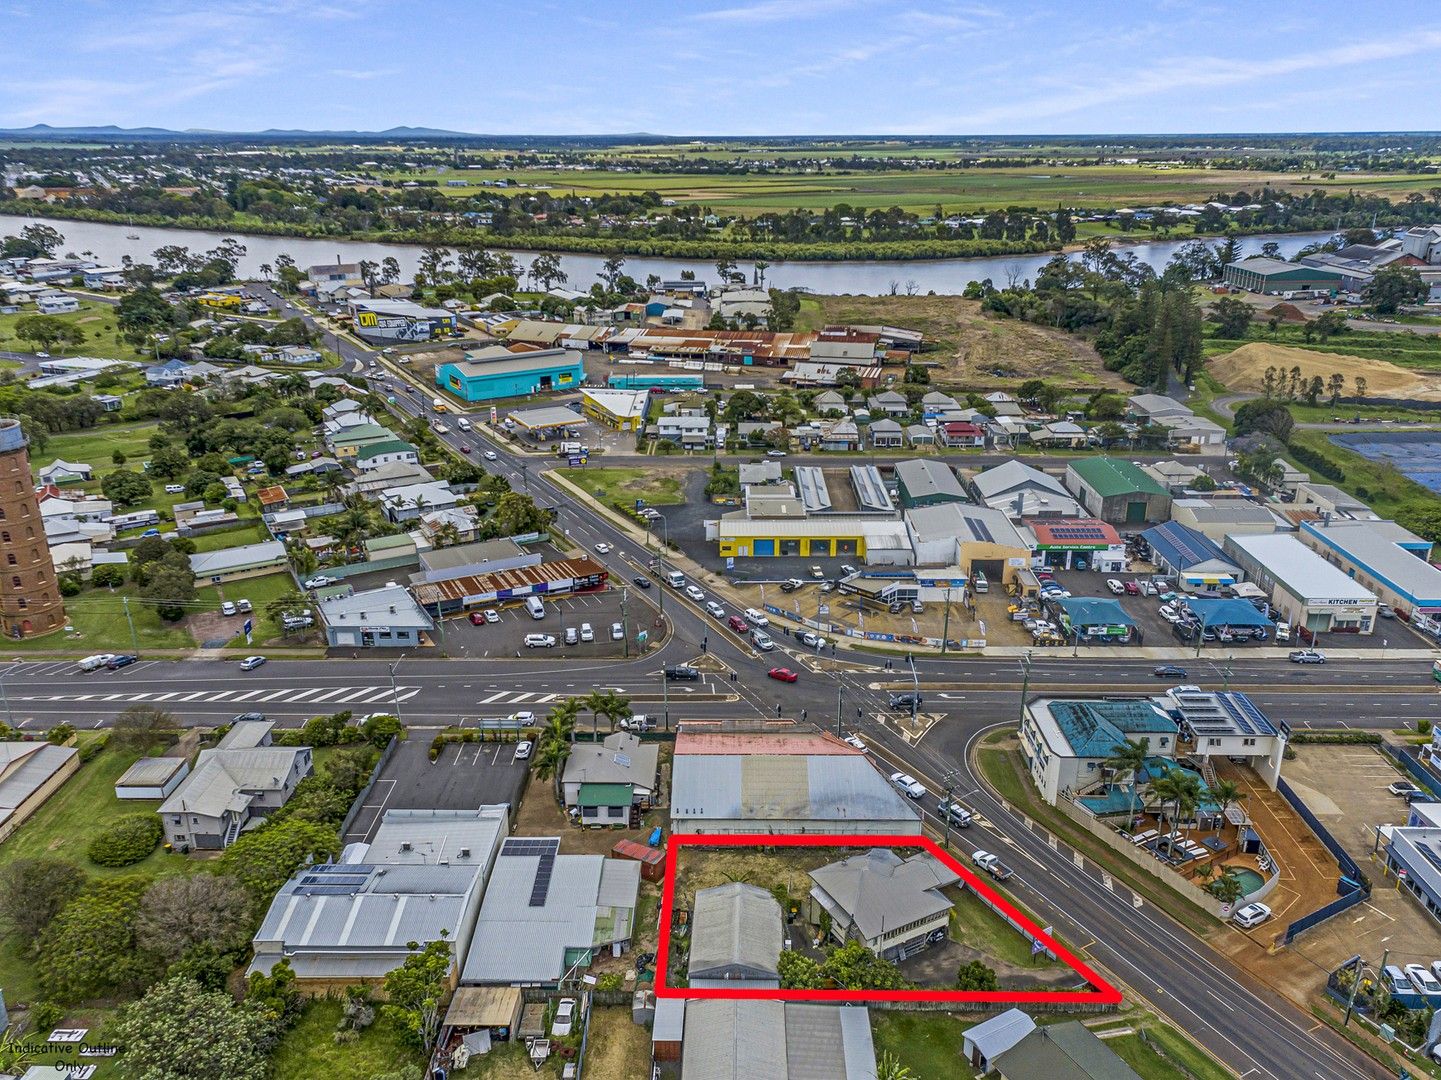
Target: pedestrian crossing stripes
289, 695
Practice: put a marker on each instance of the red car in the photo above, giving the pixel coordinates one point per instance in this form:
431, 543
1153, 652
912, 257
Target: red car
1132, 589
736, 623
784, 674
477, 619
465, 448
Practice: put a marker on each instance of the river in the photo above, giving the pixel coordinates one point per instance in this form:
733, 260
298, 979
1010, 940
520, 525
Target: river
108, 243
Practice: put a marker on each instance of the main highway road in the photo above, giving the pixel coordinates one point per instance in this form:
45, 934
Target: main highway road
1252, 1029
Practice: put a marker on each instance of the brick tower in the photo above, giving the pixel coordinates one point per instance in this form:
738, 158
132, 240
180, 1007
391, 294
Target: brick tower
30, 602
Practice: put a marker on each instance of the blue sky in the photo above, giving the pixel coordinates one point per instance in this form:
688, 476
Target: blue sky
723, 66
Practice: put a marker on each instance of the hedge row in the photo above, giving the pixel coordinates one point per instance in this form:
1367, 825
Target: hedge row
126, 841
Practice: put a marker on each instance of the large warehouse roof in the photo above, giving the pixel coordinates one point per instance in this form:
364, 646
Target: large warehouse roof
1304, 573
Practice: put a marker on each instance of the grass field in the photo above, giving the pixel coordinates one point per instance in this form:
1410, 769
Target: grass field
95, 447
96, 319
63, 828
927, 1043
965, 190
627, 485
310, 1050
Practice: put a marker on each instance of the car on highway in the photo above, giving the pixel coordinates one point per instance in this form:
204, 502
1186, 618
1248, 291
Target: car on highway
641, 582
1117, 589
908, 785
617, 632
736, 623
756, 617
115, 663
695, 593
523, 718
855, 740
490, 455
984, 859
905, 702
477, 619
783, 674
319, 581
228, 608
491, 615
1169, 671
602, 548
523, 749
775, 453
954, 812
99, 660
1249, 915
464, 448
587, 632
715, 609
762, 641
539, 641
682, 673
1307, 656
250, 663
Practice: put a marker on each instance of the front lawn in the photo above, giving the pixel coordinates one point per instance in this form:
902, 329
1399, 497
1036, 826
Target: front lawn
622, 486
309, 1048
928, 1043
99, 621
251, 531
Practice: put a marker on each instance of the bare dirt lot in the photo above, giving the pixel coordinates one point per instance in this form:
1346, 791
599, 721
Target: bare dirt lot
618, 1048
1245, 369
972, 349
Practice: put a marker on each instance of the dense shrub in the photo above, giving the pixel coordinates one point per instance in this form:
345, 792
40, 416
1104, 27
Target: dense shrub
127, 841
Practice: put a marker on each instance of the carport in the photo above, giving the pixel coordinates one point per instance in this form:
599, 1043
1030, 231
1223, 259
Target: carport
1228, 614
1095, 618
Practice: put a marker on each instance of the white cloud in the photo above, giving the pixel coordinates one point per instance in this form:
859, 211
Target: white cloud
772, 11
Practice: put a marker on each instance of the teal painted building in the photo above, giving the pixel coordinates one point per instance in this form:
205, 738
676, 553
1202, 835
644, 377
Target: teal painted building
496, 373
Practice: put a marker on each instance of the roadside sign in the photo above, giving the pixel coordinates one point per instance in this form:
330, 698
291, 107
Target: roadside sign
249, 625
824, 609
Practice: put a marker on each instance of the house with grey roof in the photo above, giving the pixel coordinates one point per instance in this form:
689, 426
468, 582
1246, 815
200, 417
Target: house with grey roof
419, 879
920, 435
759, 472
989, 1039
546, 914
895, 907
1069, 1051
726, 1039
30, 772
885, 434
828, 401
233, 787
602, 781
386, 618
926, 482
736, 938
889, 402
232, 564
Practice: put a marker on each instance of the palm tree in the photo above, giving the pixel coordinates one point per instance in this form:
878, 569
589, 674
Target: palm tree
1228, 888
560, 721
614, 707
1181, 789
447, 535
1130, 758
1225, 793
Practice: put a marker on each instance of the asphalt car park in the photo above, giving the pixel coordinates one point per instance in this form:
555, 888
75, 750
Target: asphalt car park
466, 775
507, 637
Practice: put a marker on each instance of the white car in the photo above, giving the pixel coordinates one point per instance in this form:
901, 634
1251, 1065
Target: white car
564, 1018
617, 632
1251, 915
523, 749
491, 615
587, 633
524, 718
490, 455
715, 609
769, 453
250, 663
1422, 977
908, 785
602, 548
319, 581
539, 641
1117, 589
984, 859
847, 570
810, 640
855, 740
227, 608
694, 593
1171, 615
817, 573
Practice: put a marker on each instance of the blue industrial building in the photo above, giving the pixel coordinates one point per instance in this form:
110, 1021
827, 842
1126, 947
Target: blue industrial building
659, 381
496, 373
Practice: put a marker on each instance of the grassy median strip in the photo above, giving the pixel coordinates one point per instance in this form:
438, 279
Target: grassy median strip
999, 769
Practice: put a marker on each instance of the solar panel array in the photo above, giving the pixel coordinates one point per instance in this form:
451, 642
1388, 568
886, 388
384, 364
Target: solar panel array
333, 879
1190, 551
1251, 720
545, 851
1222, 714
1077, 532
979, 529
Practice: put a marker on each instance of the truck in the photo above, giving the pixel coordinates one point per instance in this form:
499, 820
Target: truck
439, 405
569, 449
637, 723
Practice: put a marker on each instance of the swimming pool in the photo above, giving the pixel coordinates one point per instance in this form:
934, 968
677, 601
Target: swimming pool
1250, 879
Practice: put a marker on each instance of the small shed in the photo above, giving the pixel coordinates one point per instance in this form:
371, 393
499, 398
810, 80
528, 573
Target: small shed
152, 778
652, 860
668, 1030
495, 1009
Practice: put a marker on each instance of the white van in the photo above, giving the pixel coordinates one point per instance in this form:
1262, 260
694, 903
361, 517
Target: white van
675, 579
755, 618
463, 424
535, 606
762, 641
99, 660
981, 584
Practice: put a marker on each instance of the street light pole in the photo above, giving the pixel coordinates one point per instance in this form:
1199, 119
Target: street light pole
950, 780
946, 623
1025, 680
394, 693
840, 690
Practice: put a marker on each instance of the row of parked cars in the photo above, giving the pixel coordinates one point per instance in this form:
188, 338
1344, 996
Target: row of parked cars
1414, 979
573, 636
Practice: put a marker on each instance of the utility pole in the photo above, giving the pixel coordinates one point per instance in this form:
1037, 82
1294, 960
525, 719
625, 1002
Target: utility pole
665, 698
840, 690
950, 780
395, 694
134, 641
1356, 985
1025, 680
946, 622
624, 625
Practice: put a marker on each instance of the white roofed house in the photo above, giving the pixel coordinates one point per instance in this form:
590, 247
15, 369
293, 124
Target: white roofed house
736, 938
234, 786
893, 906
60, 471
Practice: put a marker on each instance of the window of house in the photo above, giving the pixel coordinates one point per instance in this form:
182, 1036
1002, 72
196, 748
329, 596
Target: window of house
15, 581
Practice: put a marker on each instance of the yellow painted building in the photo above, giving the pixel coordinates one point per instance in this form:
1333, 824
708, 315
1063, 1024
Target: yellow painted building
623, 410
742, 537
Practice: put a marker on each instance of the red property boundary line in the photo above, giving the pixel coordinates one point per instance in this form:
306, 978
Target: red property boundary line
1100, 993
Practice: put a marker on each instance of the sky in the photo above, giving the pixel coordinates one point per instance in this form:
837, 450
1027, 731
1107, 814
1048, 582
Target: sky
724, 67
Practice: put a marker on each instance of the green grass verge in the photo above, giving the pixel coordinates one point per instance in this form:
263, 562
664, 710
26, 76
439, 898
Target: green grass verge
309, 1048
625, 485
974, 924
1001, 772
99, 620
1192, 1058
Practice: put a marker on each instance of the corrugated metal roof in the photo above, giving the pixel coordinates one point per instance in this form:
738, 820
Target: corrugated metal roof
519, 579
151, 772
736, 931
734, 1040
878, 889
34, 770
764, 787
